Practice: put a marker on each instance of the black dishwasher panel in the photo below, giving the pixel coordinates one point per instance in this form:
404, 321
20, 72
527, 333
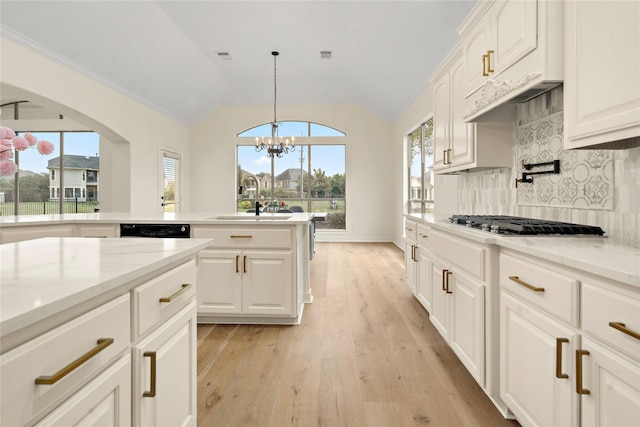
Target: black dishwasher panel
180, 231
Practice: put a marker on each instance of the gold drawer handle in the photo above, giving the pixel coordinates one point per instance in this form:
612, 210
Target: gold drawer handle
152, 356
579, 354
484, 66
525, 284
235, 236
559, 342
623, 328
489, 69
185, 287
52, 379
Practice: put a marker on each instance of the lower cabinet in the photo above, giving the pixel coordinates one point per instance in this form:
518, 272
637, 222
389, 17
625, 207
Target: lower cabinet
104, 402
164, 372
246, 282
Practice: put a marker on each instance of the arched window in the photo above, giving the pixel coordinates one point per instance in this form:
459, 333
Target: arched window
292, 128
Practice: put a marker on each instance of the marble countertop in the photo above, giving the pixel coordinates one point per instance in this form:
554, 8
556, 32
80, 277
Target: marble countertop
161, 218
43, 277
610, 258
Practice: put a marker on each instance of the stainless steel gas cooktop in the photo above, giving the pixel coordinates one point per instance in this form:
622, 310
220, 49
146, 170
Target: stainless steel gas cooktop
513, 225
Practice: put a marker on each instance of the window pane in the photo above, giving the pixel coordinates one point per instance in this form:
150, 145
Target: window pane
327, 186
293, 129
171, 184
320, 130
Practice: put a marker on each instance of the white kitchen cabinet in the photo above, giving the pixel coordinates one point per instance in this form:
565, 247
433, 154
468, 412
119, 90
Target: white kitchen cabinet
459, 145
104, 402
247, 275
424, 290
97, 230
440, 314
537, 368
164, 373
601, 85
509, 47
411, 255
30, 232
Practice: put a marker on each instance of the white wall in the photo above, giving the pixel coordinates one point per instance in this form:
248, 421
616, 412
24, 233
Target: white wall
115, 116
370, 173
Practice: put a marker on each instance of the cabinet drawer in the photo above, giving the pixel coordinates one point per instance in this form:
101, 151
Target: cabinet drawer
273, 238
458, 252
601, 306
161, 297
23, 399
555, 293
411, 230
423, 234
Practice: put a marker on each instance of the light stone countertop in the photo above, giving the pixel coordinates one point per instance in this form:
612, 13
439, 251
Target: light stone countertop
609, 258
43, 277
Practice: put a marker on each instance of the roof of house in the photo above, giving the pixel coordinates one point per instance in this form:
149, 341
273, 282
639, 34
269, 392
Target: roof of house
291, 174
71, 161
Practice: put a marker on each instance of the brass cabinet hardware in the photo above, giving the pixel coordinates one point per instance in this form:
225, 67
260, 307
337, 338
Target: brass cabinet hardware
185, 287
244, 264
484, 66
449, 156
413, 252
447, 286
423, 235
152, 356
579, 389
623, 328
444, 274
489, 69
237, 256
52, 379
559, 342
236, 236
525, 284
410, 229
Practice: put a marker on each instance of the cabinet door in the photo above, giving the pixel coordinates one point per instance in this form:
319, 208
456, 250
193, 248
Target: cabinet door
411, 268
467, 326
601, 87
440, 301
614, 388
462, 139
170, 400
514, 24
537, 365
267, 283
219, 282
424, 290
441, 114
475, 45
105, 401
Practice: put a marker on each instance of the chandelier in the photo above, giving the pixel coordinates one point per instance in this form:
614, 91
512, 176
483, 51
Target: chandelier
276, 145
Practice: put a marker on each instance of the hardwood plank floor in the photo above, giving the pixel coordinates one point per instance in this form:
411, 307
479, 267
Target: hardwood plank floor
365, 354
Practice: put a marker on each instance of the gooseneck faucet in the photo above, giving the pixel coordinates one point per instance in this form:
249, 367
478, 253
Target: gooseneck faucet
258, 206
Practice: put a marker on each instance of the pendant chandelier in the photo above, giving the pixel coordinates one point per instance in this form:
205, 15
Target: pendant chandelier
276, 146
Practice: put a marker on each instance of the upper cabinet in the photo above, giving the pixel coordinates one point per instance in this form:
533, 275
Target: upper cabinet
510, 52
602, 74
459, 145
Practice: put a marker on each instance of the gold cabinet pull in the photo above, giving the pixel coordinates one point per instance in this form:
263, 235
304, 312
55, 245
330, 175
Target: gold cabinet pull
183, 289
52, 379
525, 284
559, 342
449, 156
489, 69
623, 328
241, 236
244, 264
152, 356
237, 257
444, 274
484, 66
447, 281
444, 157
579, 389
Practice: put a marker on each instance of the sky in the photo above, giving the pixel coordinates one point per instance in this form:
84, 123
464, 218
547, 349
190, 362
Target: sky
78, 143
329, 158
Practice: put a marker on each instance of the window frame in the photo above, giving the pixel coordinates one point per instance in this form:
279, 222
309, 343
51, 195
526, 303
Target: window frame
424, 204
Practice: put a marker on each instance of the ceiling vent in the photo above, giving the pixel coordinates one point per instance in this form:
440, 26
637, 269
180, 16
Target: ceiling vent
225, 56
325, 54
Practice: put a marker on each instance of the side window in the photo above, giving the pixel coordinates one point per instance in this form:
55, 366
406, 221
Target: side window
420, 188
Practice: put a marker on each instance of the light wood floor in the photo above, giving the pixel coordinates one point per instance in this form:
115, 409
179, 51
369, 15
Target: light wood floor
364, 355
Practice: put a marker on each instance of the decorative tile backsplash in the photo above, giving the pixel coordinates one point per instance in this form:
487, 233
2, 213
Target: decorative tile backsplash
595, 187
586, 176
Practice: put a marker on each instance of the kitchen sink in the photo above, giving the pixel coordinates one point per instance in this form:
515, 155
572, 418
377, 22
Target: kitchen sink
262, 217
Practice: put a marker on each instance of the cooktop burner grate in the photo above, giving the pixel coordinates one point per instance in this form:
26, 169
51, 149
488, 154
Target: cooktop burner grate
503, 224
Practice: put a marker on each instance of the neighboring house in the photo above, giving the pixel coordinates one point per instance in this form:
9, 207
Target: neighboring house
289, 179
80, 177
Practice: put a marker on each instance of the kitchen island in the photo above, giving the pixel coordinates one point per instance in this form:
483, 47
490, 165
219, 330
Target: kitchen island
89, 325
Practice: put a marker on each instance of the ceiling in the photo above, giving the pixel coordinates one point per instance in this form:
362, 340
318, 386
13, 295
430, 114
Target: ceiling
166, 53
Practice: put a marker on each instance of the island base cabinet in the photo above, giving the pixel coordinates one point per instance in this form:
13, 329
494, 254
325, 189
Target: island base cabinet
537, 365
105, 402
610, 387
164, 372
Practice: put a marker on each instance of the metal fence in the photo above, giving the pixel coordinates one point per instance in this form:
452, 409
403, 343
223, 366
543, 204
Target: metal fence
49, 207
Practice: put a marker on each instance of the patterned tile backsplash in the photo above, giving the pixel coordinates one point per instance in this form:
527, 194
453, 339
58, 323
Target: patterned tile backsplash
594, 187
